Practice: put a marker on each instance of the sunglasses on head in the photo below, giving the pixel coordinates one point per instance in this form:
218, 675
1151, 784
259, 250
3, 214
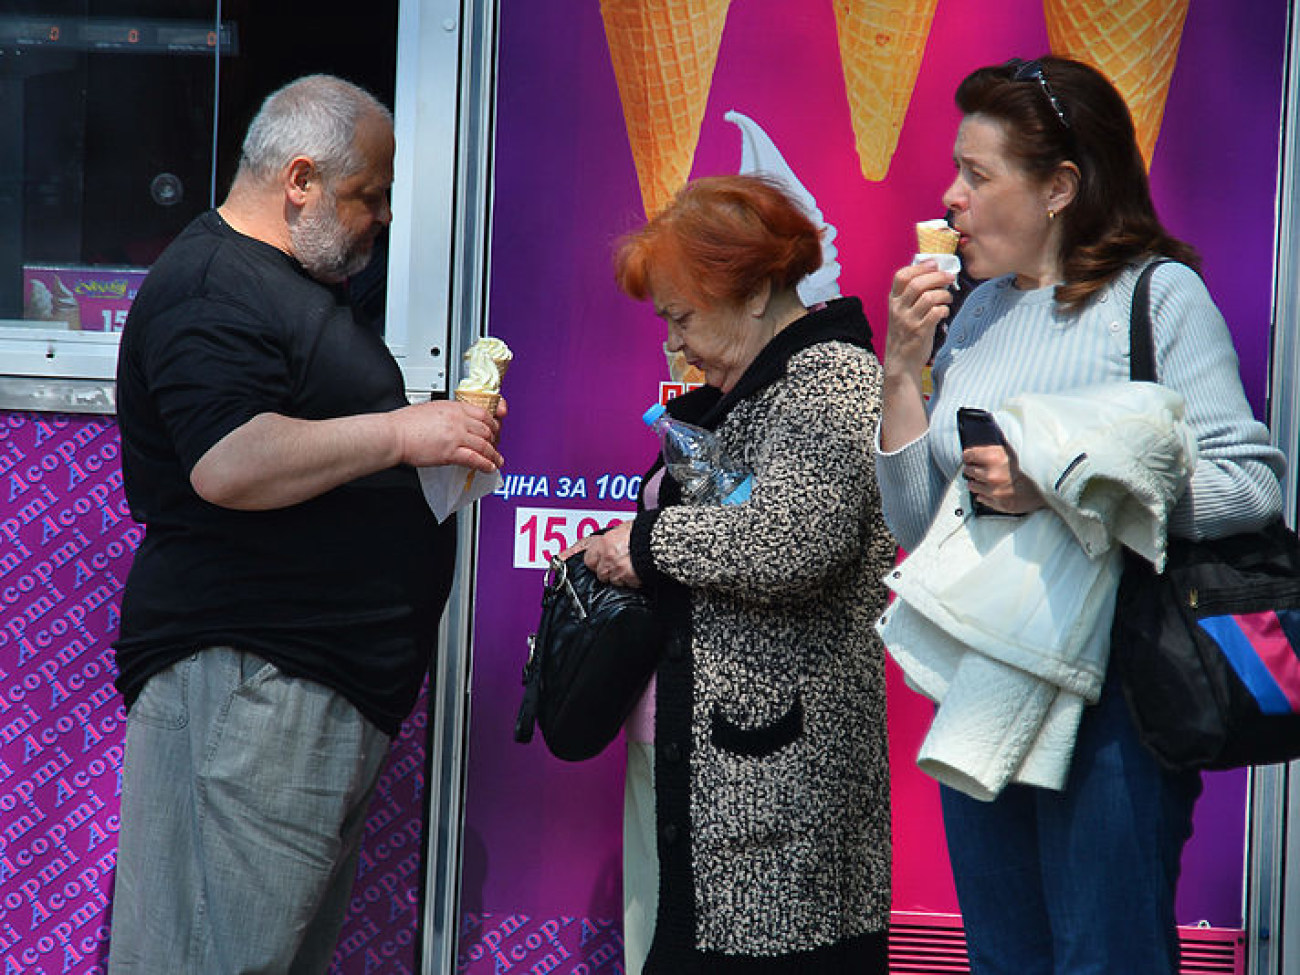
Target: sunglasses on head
1033, 71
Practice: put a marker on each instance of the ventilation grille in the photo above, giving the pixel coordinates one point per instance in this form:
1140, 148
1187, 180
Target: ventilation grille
934, 944
1212, 950
926, 944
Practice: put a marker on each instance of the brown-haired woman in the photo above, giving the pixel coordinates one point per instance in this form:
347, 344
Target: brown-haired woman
766, 832
1052, 202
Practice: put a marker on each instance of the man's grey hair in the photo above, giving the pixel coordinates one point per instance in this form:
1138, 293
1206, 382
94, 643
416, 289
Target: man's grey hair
315, 116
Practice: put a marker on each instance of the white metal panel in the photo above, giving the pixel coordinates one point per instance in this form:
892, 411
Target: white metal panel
1273, 856
420, 240
468, 250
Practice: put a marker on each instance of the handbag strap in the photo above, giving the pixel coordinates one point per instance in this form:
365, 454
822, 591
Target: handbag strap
1141, 341
556, 586
526, 719
555, 582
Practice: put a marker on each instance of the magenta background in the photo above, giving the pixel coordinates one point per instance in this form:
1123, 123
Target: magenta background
542, 837
66, 540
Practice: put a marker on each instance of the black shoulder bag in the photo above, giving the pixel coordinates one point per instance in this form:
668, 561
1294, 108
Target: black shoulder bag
589, 661
1207, 650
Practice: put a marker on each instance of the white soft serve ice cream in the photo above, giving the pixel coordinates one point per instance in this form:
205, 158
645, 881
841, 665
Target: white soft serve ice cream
481, 372
759, 155
496, 350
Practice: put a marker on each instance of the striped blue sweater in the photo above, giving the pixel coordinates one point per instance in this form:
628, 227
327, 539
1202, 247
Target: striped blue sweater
1005, 342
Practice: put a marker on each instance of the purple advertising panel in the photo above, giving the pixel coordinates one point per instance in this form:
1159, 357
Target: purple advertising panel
861, 112
66, 542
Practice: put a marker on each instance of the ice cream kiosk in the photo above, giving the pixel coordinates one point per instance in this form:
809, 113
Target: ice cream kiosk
530, 136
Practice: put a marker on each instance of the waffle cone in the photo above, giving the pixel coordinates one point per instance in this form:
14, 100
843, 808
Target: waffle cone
1134, 43
881, 44
936, 240
681, 371
663, 52
479, 397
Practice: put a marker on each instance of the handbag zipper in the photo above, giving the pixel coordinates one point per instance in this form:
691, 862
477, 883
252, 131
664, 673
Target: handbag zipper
1214, 602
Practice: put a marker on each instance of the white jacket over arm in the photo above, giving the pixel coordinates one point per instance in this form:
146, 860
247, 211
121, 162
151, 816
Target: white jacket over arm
1005, 621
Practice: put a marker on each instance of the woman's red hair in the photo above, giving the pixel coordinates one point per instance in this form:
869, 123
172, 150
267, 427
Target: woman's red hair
719, 240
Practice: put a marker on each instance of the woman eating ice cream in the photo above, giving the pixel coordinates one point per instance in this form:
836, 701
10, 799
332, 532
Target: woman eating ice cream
1052, 204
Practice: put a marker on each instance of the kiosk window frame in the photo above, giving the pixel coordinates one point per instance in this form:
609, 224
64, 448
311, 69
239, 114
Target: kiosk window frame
58, 368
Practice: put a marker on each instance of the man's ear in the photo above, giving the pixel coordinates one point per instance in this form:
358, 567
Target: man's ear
299, 178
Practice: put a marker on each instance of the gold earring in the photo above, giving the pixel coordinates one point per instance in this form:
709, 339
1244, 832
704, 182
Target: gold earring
1051, 215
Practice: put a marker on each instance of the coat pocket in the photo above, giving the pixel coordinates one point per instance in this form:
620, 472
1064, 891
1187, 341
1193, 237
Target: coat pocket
760, 742
753, 784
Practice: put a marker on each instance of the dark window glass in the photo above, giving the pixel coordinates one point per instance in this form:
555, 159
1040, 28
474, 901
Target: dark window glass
121, 121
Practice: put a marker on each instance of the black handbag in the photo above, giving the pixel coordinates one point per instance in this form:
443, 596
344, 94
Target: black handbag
590, 660
1207, 651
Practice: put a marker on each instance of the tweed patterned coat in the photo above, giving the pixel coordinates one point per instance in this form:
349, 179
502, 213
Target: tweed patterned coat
771, 759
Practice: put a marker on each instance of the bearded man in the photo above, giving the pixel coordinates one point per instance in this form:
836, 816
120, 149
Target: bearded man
282, 609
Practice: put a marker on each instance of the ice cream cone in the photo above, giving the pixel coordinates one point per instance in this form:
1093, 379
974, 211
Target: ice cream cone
485, 399
936, 237
479, 397
663, 52
681, 371
881, 44
1134, 43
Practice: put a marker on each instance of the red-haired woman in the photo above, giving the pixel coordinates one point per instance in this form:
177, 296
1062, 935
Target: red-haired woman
765, 838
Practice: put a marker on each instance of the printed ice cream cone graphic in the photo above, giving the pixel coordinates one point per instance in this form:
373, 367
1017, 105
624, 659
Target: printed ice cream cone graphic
759, 154
881, 44
1134, 43
681, 371
56, 304
663, 52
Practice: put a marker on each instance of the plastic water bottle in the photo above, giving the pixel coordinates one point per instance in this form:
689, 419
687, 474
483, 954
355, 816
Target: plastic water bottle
697, 462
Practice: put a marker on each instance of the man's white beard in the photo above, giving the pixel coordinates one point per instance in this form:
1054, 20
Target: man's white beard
321, 244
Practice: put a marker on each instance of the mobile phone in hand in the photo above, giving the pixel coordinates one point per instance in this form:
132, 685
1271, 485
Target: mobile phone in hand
977, 428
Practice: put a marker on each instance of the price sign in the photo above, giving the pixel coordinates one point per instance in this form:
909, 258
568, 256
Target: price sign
80, 299
543, 532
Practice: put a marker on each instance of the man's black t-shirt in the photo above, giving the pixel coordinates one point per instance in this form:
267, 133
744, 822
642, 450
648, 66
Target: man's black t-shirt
345, 589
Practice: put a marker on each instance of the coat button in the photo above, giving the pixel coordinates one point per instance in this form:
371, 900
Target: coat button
672, 752
676, 649
669, 833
